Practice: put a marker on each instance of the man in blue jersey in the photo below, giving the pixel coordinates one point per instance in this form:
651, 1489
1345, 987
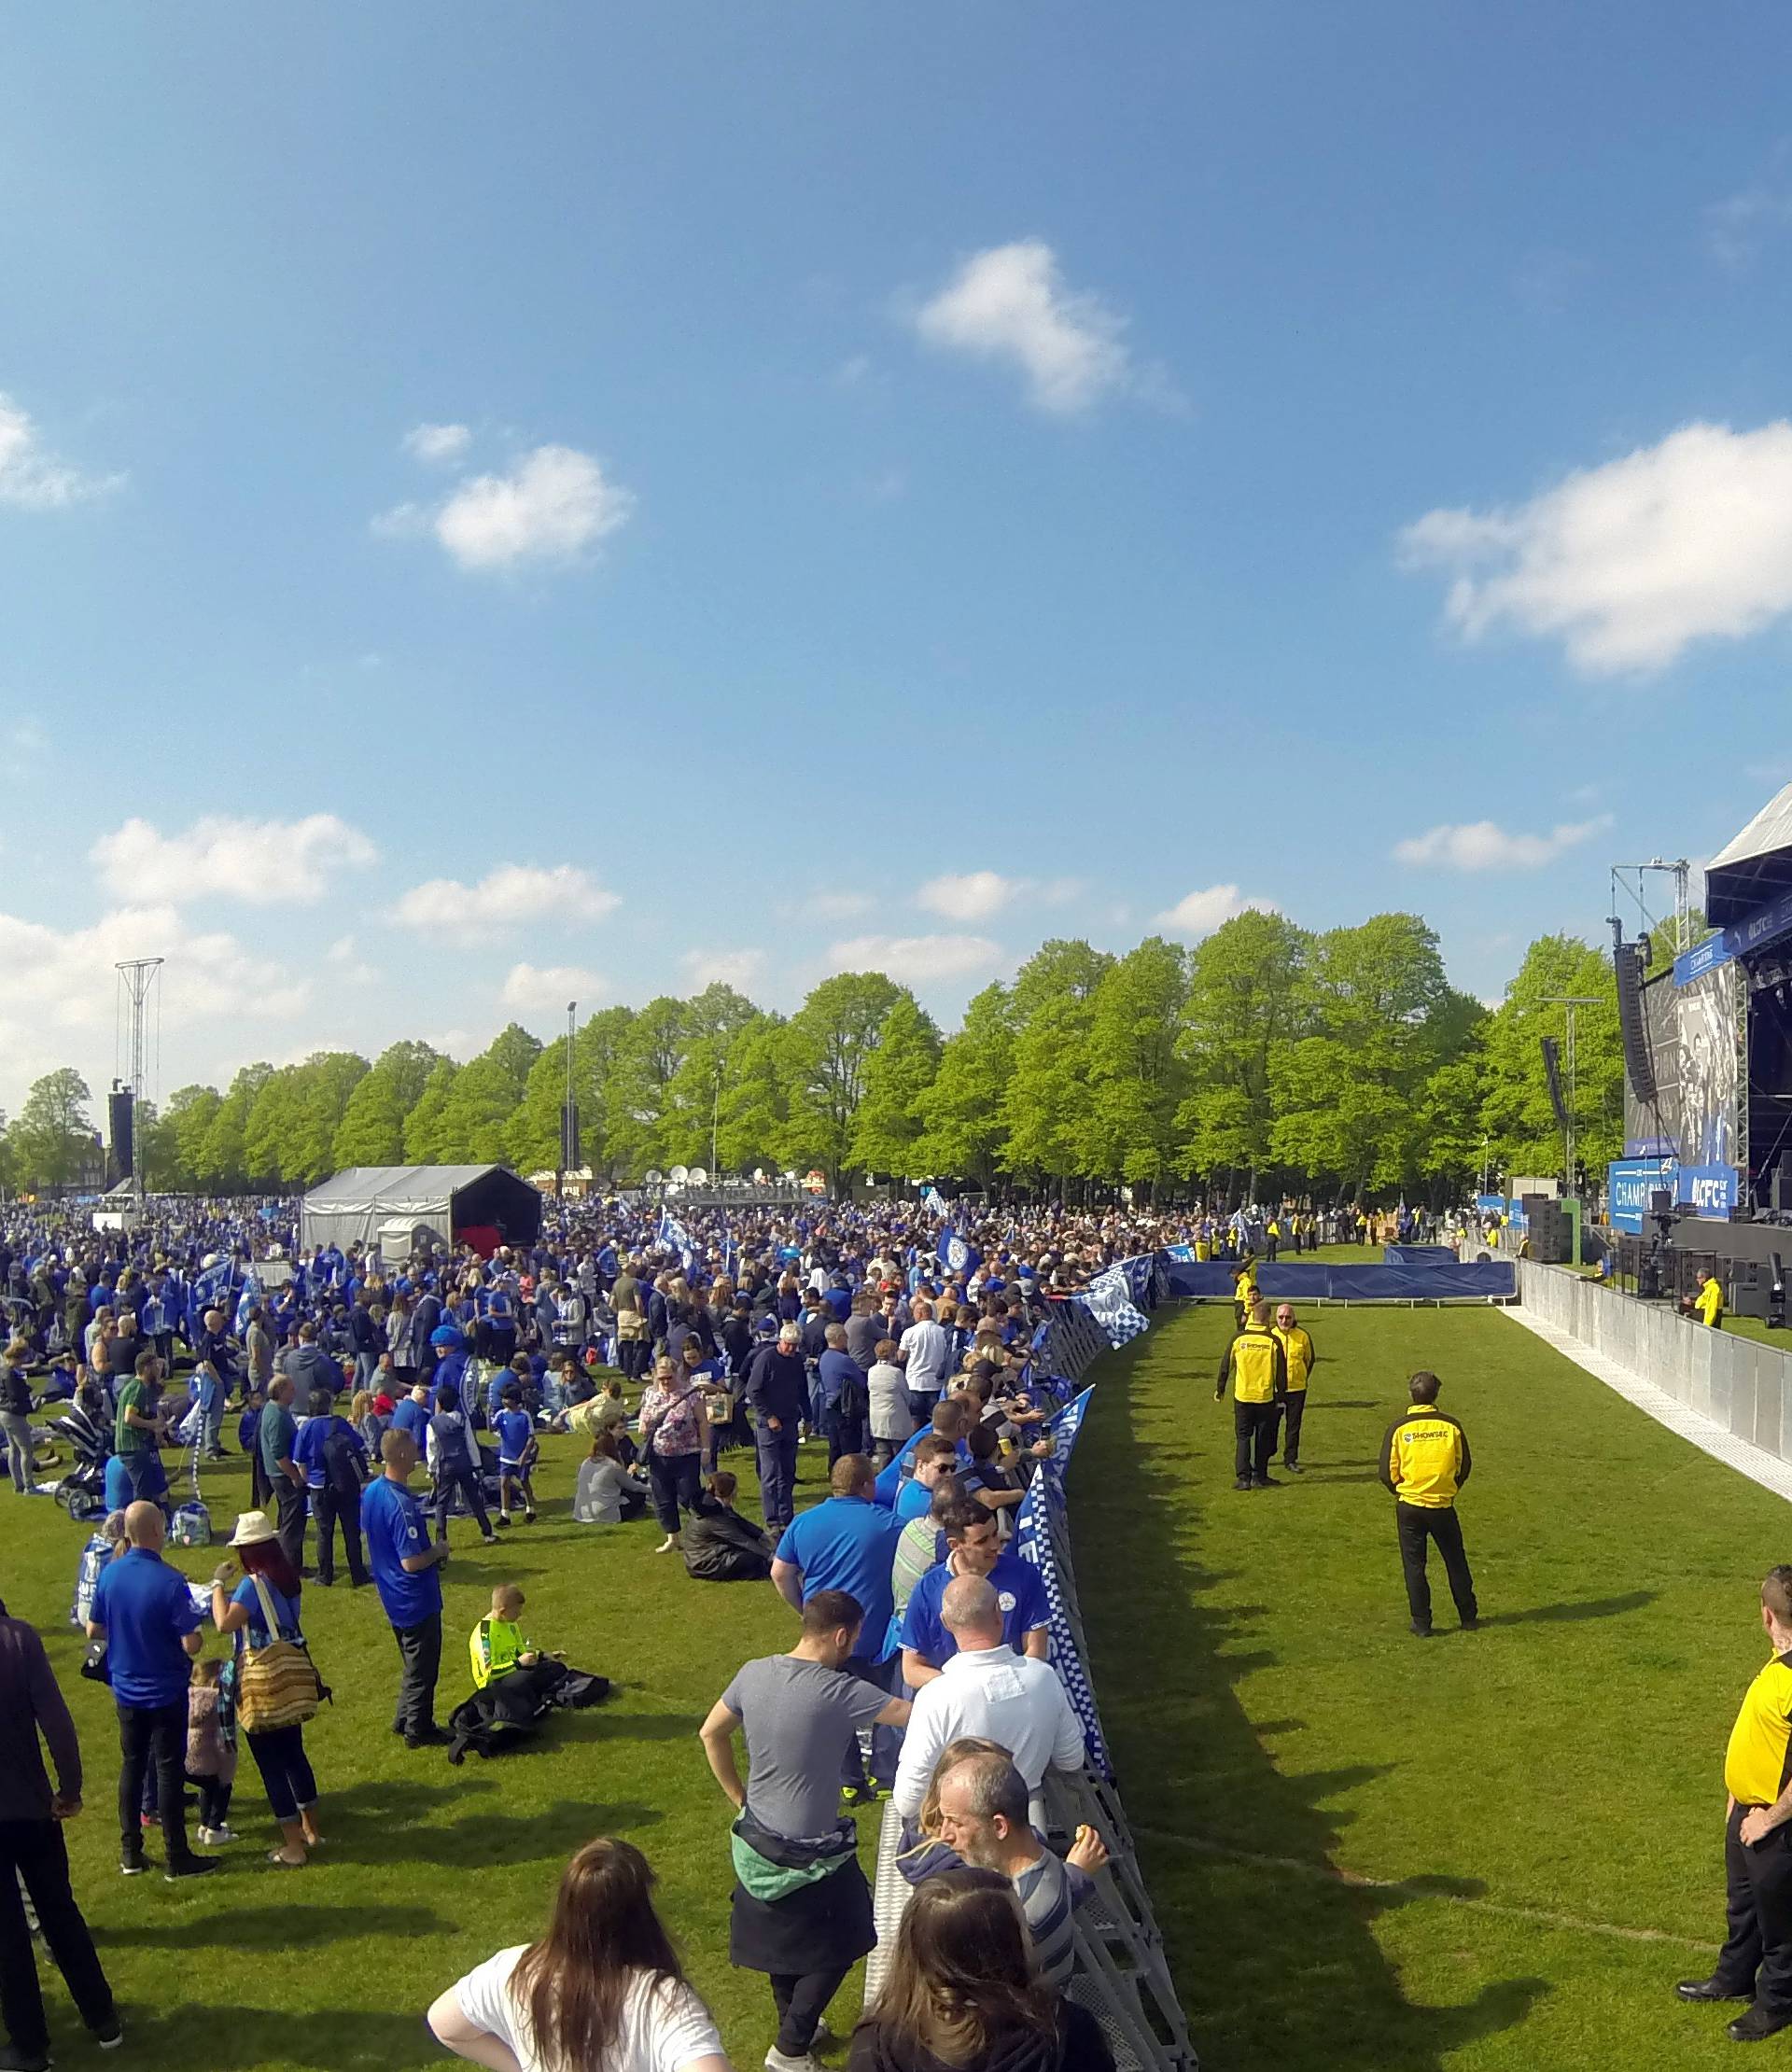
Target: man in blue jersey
404, 1565
974, 1548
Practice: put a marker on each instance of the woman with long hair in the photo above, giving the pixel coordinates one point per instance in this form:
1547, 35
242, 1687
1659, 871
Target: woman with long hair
960, 1993
602, 1991
674, 1433
279, 1751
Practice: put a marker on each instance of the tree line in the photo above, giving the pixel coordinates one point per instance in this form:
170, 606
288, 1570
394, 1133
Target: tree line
1267, 1058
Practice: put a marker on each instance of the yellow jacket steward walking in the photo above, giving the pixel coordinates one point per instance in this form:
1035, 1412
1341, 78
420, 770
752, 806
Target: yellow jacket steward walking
1255, 1365
1425, 1458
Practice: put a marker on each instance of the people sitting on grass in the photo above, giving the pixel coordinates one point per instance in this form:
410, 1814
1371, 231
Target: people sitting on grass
721, 1546
601, 1991
605, 1493
961, 1991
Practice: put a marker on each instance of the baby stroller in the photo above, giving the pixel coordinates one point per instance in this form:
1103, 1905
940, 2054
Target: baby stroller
81, 1493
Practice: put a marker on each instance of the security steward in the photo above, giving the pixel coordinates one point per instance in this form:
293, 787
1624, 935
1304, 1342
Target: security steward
1297, 1350
1257, 1369
1755, 1962
1424, 1463
1709, 1302
1245, 1293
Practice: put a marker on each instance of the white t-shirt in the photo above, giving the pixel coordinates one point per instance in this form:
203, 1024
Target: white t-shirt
660, 2030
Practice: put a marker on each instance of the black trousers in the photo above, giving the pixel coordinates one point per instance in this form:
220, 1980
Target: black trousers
1254, 1427
1417, 1524
1293, 1411
34, 1851
677, 1479
464, 1479
845, 1435
289, 1522
420, 1656
802, 2000
1756, 1955
335, 1507
153, 1734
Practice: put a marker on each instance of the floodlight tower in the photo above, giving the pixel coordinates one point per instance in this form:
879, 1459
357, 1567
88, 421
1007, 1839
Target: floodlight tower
138, 976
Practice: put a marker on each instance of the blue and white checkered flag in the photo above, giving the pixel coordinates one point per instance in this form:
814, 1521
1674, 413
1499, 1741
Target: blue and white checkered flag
1109, 1300
1033, 1543
672, 1232
935, 1202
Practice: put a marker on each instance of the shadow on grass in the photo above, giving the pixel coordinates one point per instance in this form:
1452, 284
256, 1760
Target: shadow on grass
283, 1928
1275, 1956
1573, 1610
229, 2039
390, 1820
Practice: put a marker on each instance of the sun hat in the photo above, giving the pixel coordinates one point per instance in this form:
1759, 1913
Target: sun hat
253, 1528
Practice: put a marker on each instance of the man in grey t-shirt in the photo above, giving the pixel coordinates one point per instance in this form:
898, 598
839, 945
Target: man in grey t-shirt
798, 1712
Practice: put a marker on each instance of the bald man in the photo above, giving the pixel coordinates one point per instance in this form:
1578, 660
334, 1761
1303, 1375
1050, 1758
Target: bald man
986, 1690
144, 1613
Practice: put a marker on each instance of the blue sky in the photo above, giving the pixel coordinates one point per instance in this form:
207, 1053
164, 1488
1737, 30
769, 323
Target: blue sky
741, 490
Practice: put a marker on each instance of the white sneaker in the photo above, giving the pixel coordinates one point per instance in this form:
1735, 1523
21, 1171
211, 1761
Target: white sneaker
777, 2062
667, 1544
214, 1838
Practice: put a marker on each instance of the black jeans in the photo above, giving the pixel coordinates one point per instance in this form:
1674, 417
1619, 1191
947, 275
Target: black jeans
1254, 1429
420, 1653
153, 1734
802, 2000
885, 1741
845, 1435
1294, 1410
35, 1851
214, 1800
677, 1479
464, 1479
335, 1507
289, 1520
1756, 1955
286, 1771
1418, 1524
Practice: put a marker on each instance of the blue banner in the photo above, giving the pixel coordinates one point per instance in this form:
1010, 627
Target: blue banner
1740, 940
1629, 1184
1033, 1543
1707, 1190
956, 1254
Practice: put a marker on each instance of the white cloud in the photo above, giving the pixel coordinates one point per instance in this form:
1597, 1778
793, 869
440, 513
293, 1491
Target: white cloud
1199, 913
1738, 227
1484, 846
1010, 304
539, 986
511, 893
1629, 563
264, 862
32, 478
972, 896
351, 968
740, 969
552, 506
917, 959
437, 441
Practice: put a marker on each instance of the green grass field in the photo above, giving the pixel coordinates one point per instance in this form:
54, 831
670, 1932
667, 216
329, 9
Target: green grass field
1487, 1851
1490, 1850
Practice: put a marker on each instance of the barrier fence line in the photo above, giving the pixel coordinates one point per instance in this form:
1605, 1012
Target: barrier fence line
1122, 1975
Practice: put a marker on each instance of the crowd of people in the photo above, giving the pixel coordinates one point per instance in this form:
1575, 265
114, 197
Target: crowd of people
920, 1667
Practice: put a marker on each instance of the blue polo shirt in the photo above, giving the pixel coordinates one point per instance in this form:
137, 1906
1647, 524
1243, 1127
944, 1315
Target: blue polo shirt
413, 1417
514, 1432
143, 1605
1018, 1591
395, 1526
846, 1544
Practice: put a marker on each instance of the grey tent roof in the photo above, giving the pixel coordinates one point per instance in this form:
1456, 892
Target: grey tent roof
1753, 867
394, 1190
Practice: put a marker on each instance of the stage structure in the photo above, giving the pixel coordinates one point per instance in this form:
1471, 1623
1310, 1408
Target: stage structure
137, 982
1708, 1041
483, 1206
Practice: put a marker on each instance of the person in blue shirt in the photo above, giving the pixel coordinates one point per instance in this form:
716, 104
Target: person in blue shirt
974, 1548
413, 1414
334, 1459
404, 1565
847, 1543
119, 1492
517, 1449
846, 1396
143, 1612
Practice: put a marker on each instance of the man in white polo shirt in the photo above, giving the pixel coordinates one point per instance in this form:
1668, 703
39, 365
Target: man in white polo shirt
985, 1690
924, 1352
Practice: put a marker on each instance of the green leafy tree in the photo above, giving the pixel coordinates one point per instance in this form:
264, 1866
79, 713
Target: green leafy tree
371, 1130
898, 1073
221, 1164
1046, 1105
1245, 1006
1136, 1078
1516, 1108
475, 1122
272, 1127
960, 1111
754, 1113
326, 1084
636, 1089
189, 1118
828, 1043
54, 1129
424, 1139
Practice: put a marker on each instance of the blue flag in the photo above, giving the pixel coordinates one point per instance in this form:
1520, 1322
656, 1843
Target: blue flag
935, 1202
956, 1254
1033, 1543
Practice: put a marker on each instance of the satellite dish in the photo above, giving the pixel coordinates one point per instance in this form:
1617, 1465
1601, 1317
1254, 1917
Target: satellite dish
655, 1177
696, 1176
679, 1175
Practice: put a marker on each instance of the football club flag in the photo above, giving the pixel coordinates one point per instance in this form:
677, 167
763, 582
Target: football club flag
933, 1201
1033, 1543
1065, 1427
672, 1232
958, 1256
1109, 1301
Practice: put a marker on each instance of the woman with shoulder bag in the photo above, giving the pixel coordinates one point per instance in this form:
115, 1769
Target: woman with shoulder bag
675, 1431
263, 1612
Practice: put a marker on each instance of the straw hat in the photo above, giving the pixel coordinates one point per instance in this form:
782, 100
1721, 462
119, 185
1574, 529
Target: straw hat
253, 1527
